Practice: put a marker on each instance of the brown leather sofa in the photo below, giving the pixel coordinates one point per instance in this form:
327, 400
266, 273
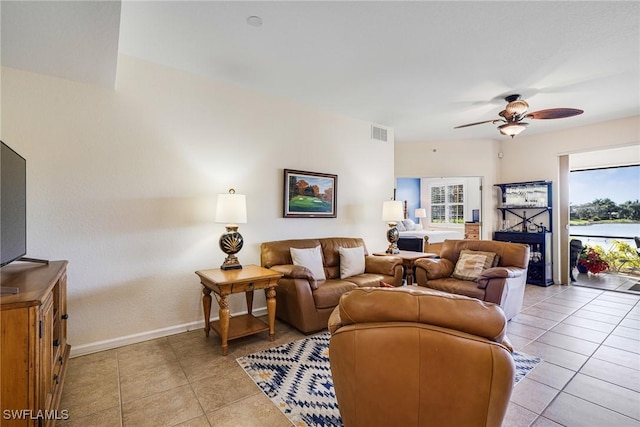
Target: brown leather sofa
502, 284
306, 303
416, 357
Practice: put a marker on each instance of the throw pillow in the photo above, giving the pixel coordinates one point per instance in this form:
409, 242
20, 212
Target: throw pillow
351, 261
310, 258
409, 224
471, 264
400, 226
496, 261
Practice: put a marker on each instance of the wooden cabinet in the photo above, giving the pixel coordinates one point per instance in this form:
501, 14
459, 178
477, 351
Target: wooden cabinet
472, 230
34, 349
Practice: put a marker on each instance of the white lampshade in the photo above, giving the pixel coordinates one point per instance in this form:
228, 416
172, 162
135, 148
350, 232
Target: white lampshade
512, 129
392, 211
420, 213
231, 208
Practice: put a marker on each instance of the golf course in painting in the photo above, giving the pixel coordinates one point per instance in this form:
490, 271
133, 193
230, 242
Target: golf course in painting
301, 203
309, 194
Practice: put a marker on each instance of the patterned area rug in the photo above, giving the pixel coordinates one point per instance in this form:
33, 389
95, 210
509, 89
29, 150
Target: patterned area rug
297, 378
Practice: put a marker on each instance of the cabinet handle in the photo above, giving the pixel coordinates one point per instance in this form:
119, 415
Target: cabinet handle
61, 360
56, 379
56, 343
64, 316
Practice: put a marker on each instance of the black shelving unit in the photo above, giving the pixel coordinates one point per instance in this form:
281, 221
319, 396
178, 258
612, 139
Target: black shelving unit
535, 198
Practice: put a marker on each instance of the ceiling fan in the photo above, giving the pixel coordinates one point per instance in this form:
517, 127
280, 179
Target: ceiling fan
516, 111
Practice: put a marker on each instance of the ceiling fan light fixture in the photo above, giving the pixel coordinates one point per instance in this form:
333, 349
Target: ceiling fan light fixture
518, 108
512, 129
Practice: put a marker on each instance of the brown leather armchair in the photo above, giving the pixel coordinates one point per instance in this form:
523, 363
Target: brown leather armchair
306, 303
502, 284
415, 357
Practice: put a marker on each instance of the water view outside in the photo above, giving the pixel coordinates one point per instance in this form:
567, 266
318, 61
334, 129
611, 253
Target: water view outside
604, 205
624, 232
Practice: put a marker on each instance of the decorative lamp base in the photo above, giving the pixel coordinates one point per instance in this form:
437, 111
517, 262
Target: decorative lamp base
231, 263
230, 243
392, 237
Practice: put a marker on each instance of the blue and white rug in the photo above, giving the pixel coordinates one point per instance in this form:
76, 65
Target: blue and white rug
297, 378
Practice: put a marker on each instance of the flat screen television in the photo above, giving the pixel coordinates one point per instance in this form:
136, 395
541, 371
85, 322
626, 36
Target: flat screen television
13, 205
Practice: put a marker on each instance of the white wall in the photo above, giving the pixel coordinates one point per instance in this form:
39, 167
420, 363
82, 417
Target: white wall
123, 183
463, 158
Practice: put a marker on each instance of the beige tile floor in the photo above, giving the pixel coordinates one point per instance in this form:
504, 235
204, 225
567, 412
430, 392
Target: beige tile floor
589, 341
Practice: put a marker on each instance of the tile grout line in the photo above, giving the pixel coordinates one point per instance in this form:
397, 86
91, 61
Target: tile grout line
538, 416
119, 387
178, 359
582, 366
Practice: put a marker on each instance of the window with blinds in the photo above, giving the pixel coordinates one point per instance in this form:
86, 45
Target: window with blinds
447, 204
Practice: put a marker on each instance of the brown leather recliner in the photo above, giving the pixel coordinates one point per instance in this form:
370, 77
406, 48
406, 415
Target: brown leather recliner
503, 284
306, 303
415, 357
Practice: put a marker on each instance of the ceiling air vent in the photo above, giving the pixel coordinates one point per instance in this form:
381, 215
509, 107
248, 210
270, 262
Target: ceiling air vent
378, 133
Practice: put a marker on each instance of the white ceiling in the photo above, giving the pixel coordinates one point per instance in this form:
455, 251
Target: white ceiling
420, 67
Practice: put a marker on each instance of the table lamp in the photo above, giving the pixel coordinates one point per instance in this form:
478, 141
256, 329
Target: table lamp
392, 211
420, 213
231, 210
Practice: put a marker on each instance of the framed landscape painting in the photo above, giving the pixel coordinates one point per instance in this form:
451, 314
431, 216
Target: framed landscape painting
309, 194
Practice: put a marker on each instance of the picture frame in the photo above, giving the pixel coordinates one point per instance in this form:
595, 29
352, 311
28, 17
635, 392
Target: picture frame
309, 194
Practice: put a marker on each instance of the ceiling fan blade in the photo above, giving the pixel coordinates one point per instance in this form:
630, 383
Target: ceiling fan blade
479, 123
554, 113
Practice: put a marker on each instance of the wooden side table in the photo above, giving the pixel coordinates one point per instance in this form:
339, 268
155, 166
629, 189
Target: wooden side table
226, 282
408, 259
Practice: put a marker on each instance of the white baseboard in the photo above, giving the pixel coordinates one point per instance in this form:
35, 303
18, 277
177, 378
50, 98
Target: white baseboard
94, 347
